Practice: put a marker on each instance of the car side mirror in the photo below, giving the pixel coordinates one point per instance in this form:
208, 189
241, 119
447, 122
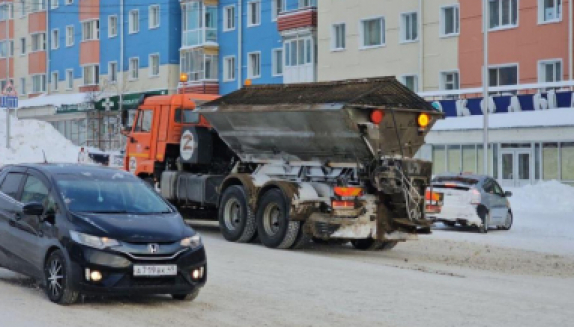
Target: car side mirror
507, 194
33, 209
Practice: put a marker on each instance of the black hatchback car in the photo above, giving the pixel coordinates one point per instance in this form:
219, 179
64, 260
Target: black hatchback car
95, 231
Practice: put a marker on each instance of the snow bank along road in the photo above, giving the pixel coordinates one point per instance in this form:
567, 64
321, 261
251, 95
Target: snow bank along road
432, 282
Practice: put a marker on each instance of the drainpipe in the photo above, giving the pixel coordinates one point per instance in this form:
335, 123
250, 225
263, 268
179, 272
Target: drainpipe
421, 47
48, 47
7, 58
485, 98
239, 44
121, 74
570, 39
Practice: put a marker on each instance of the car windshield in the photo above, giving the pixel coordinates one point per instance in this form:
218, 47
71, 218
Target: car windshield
455, 179
110, 195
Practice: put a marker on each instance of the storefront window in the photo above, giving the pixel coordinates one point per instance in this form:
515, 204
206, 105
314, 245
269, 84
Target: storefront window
550, 161
469, 158
438, 158
454, 159
537, 161
480, 161
567, 161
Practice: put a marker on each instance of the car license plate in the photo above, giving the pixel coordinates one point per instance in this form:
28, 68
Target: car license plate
155, 271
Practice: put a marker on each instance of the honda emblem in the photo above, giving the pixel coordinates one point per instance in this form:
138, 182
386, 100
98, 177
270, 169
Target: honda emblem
153, 248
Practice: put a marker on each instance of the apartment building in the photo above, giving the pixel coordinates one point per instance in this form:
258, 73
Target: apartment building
228, 42
416, 41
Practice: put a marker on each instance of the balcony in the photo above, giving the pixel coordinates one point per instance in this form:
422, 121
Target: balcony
302, 18
199, 24
199, 37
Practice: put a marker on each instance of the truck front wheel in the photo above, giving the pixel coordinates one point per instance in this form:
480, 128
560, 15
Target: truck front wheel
236, 219
274, 227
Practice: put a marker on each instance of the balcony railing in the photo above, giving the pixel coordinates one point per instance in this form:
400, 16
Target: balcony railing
299, 18
198, 37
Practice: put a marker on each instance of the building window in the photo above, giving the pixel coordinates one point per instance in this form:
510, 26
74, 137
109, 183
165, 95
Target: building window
69, 36
91, 30
253, 13
199, 66
549, 11
39, 42
450, 81
154, 64
55, 4
3, 49
69, 2
307, 3
54, 81
112, 72
229, 18
277, 62
450, 21
277, 6
91, 75
298, 52
134, 69
37, 5
23, 46
22, 86
373, 32
70, 79
550, 161
55, 39
503, 13
338, 36
112, 26
228, 69
199, 24
550, 71
409, 27
254, 65
504, 75
411, 82
38, 83
134, 21
154, 14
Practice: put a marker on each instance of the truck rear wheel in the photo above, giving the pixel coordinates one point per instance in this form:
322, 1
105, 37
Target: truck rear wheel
370, 244
236, 219
273, 225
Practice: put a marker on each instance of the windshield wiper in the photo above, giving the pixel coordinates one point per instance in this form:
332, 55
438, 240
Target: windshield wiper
105, 212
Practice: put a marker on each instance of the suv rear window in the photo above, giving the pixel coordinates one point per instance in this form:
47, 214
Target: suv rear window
455, 179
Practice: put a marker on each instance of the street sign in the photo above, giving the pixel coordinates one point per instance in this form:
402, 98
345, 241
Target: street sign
9, 102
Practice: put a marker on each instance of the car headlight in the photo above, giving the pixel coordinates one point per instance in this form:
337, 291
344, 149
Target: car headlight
93, 241
192, 242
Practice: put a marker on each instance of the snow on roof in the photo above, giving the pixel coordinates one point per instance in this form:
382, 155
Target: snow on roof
525, 119
55, 100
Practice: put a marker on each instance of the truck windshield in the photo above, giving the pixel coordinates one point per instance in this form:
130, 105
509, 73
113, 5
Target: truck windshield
186, 116
120, 195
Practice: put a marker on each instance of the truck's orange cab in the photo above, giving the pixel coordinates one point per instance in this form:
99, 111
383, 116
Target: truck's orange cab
156, 131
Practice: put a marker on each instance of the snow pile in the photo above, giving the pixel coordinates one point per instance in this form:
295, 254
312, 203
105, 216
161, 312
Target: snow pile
55, 100
29, 138
545, 197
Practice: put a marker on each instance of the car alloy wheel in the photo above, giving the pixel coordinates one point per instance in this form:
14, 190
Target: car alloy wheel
57, 285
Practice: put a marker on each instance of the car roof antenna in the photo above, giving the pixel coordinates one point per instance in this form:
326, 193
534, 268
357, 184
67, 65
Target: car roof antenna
45, 159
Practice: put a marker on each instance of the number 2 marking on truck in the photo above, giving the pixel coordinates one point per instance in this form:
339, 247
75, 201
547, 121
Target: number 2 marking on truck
187, 145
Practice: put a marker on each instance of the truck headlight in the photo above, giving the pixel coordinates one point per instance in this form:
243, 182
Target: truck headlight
191, 242
93, 241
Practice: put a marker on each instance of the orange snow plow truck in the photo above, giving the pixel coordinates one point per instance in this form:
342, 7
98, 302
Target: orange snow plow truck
288, 164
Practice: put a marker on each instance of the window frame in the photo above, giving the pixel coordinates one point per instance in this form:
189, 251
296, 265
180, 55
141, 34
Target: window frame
403, 27
23, 46
68, 34
553, 61
502, 27
150, 65
442, 31
250, 14
274, 66
56, 2
110, 18
362, 22
131, 21
150, 9
130, 69
250, 67
541, 13
226, 70
226, 28
96, 74
110, 63
43, 48
95, 30
443, 79
23, 86
54, 84
416, 80
68, 80
55, 45
334, 38
498, 67
275, 10
44, 83
69, 2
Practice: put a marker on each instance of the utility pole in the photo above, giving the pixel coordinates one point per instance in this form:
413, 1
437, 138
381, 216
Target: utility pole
7, 46
485, 84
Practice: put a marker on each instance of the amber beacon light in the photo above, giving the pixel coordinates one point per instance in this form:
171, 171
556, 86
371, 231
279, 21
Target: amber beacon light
423, 120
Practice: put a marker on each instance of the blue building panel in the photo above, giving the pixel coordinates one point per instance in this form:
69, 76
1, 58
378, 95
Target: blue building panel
65, 57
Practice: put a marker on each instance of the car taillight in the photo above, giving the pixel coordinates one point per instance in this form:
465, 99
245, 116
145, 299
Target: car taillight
432, 196
348, 192
475, 197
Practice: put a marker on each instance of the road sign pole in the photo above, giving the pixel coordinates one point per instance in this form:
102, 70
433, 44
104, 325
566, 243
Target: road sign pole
7, 128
